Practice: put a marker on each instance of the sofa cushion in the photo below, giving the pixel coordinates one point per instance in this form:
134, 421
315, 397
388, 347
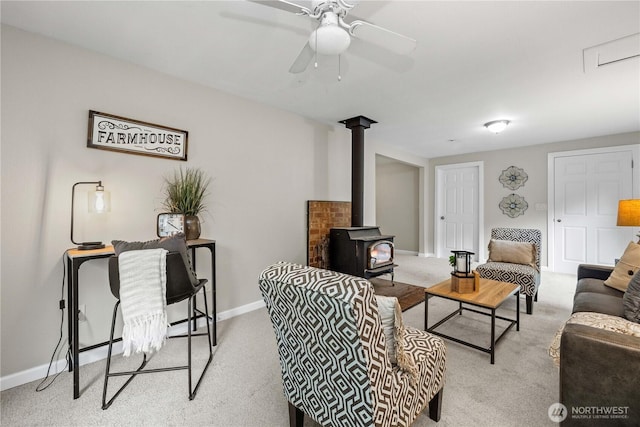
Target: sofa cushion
631, 299
624, 270
598, 303
512, 252
597, 286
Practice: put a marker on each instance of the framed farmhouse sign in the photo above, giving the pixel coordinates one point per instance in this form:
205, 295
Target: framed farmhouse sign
109, 132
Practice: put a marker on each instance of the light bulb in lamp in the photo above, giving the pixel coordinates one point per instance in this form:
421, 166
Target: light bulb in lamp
99, 200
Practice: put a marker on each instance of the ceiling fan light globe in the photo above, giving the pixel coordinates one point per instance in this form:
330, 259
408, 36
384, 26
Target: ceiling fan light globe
329, 40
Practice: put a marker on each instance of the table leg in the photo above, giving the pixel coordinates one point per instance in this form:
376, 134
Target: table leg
214, 311
194, 307
518, 310
68, 307
493, 335
73, 321
426, 311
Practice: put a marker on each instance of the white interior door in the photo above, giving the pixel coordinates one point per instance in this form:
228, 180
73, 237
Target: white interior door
458, 208
587, 188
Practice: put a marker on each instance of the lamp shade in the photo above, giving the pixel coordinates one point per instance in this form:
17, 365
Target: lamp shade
99, 200
629, 212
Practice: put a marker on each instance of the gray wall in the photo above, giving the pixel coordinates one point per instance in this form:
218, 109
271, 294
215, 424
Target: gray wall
397, 201
264, 164
533, 160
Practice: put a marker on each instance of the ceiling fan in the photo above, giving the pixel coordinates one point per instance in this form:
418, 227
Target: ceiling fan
333, 34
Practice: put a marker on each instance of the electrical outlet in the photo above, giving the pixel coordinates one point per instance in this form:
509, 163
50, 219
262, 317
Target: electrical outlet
82, 313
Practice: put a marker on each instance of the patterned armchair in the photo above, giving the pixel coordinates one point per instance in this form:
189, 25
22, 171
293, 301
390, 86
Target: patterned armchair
526, 276
333, 357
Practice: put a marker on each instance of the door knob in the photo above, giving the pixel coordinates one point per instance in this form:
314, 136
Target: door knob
441, 217
559, 220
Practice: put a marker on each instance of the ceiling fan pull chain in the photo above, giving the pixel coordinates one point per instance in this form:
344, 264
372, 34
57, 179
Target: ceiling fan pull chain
315, 64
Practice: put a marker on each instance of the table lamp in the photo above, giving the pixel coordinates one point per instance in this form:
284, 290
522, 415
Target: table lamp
629, 214
99, 202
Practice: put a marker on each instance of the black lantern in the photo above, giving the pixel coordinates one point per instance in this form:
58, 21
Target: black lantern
462, 265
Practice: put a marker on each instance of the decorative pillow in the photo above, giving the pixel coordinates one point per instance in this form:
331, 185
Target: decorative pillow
624, 270
174, 243
387, 313
512, 252
631, 299
393, 327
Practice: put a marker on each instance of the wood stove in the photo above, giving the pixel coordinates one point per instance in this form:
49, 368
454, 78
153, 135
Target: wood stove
361, 251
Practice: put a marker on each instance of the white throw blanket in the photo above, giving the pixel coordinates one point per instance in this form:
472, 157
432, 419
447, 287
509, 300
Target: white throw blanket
143, 283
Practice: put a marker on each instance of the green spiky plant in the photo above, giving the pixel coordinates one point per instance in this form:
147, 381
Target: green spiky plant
185, 191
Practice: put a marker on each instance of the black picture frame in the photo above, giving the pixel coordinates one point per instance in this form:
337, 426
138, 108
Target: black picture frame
116, 133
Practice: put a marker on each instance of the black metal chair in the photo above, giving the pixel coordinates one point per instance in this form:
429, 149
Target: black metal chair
179, 288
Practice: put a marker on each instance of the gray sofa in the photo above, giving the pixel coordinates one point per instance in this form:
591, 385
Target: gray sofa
599, 368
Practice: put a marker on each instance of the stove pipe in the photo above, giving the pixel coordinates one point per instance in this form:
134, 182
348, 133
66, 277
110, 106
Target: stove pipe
357, 125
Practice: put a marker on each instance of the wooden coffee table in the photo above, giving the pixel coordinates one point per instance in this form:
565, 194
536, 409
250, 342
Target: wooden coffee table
491, 295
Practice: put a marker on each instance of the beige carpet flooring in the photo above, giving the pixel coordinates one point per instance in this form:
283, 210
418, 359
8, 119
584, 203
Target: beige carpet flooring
243, 385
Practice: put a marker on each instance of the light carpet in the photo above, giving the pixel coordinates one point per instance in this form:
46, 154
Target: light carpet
243, 386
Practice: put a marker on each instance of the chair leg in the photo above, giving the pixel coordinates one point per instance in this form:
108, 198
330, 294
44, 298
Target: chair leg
107, 374
435, 406
296, 416
529, 304
192, 392
535, 298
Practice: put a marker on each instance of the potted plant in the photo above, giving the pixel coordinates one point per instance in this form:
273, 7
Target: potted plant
184, 193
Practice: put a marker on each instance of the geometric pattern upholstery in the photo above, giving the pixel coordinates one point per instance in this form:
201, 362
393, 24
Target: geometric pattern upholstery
332, 350
524, 275
527, 277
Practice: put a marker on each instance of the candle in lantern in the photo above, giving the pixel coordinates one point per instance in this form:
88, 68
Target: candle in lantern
461, 263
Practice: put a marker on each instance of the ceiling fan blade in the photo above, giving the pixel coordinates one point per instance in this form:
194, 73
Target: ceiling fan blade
284, 5
382, 37
303, 60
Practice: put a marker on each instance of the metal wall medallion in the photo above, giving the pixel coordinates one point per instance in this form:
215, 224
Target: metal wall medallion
513, 177
513, 205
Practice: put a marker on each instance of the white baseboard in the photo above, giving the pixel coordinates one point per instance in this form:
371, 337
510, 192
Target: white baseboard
90, 356
426, 255
403, 252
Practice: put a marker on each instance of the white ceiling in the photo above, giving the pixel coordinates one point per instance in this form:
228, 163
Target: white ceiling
474, 62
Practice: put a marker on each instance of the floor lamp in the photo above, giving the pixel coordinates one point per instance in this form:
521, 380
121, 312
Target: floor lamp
629, 214
99, 202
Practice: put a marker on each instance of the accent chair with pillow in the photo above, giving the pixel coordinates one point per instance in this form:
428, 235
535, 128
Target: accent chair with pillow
514, 257
336, 341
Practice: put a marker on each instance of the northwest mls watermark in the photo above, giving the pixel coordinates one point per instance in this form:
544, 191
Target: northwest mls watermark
558, 412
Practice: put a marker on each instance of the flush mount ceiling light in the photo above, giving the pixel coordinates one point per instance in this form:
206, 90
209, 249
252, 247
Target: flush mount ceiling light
497, 126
